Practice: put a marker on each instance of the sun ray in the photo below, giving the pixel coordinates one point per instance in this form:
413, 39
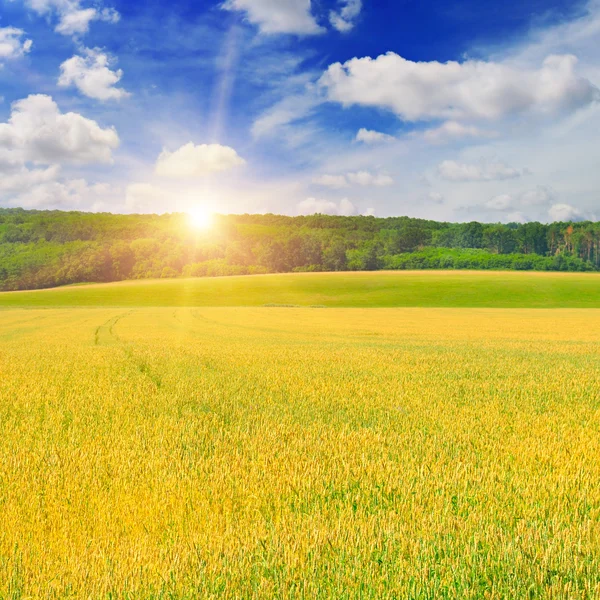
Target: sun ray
200, 217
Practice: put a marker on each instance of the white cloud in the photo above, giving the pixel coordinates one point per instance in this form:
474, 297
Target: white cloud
516, 217
288, 110
12, 44
336, 182
76, 22
312, 206
9, 163
365, 178
435, 197
72, 18
278, 16
344, 19
539, 197
427, 199
38, 132
346, 208
470, 90
57, 194
145, 197
368, 136
197, 161
452, 130
502, 202
91, 75
495, 171
24, 179
564, 212
362, 178
42, 189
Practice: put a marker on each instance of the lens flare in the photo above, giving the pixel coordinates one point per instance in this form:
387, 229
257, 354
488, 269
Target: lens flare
200, 217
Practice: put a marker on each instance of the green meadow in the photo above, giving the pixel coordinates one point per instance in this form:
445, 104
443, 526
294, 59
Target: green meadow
361, 290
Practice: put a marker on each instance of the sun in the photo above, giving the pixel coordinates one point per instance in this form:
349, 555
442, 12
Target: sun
200, 217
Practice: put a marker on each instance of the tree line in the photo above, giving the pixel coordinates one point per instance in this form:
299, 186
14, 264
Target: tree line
40, 249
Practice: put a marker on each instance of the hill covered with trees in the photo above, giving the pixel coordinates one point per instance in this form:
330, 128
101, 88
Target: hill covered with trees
40, 249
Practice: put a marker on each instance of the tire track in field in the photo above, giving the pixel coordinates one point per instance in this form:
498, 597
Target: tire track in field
105, 336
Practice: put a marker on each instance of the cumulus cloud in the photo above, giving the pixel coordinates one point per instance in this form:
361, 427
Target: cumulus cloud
278, 16
9, 162
145, 197
541, 196
346, 208
336, 182
73, 19
501, 202
452, 130
43, 188
451, 170
362, 178
365, 178
68, 194
435, 197
471, 90
517, 217
197, 161
312, 206
38, 132
344, 19
429, 198
23, 178
368, 136
12, 44
91, 75
76, 22
564, 212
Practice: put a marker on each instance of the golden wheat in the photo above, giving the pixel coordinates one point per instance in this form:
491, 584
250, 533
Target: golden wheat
299, 453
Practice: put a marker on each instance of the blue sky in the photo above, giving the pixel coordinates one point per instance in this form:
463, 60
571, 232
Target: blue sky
450, 110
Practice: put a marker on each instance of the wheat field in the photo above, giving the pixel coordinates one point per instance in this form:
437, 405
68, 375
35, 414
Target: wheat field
299, 453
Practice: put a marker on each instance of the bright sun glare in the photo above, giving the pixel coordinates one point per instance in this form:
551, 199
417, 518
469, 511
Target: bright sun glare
200, 217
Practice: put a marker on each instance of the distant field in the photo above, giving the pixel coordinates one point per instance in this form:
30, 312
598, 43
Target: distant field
376, 289
297, 453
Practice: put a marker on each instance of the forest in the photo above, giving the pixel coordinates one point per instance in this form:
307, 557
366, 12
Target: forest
41, 249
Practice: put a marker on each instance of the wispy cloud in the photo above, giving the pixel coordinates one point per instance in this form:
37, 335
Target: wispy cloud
72, 17
360, 178
494, 171
344, 19
368, 136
